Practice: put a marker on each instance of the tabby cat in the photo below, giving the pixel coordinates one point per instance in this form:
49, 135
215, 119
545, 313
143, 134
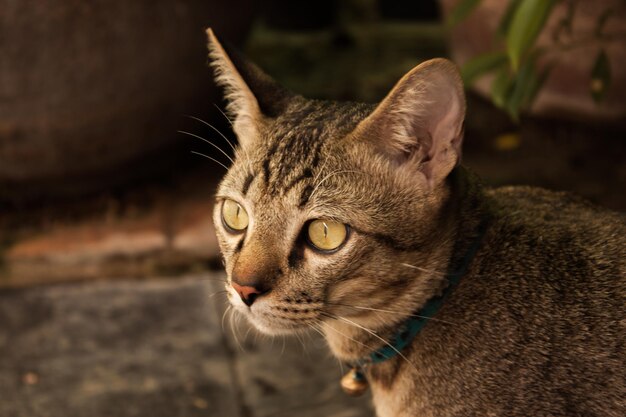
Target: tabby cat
352, 218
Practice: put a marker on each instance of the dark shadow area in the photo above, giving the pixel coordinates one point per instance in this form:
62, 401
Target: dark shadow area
110, 126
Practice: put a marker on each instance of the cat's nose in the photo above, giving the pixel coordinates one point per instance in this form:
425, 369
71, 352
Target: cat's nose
248, 293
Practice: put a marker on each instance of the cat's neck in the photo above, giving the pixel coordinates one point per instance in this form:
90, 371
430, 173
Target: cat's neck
353, 338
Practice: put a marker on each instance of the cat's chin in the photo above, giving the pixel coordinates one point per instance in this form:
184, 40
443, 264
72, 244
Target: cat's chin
274, 329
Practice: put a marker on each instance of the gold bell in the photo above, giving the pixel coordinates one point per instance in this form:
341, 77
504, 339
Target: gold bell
354, 383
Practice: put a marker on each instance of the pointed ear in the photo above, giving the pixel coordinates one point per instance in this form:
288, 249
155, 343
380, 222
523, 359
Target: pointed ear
420, 122
250, 93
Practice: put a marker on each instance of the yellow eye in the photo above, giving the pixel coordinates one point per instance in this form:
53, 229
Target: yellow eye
327, 234
234, 216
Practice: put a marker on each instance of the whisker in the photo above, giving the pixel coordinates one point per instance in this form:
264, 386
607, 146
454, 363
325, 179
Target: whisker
247, 155
212, 159
216, 293
233, 331
214, 279
316, 326
223, 114
428, 271
312, 326
245, 336
345, 335
301, 340
330, 175
209, 142
391, 312
432, 271
224, 316
282, 351
320, 171
214, 128
373, 333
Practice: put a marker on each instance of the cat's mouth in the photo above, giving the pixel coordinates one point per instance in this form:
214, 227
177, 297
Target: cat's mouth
273, 315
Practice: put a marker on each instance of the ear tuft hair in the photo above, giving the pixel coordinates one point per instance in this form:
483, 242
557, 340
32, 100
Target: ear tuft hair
251, 94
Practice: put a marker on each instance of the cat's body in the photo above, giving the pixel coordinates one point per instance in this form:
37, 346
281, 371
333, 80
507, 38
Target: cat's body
536, 326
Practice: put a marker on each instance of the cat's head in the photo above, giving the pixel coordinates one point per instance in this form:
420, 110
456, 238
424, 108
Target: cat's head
333, 209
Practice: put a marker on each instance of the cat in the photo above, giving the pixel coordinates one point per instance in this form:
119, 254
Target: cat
357, 219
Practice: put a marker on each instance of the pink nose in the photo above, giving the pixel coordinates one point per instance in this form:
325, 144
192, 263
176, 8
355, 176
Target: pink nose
248, 294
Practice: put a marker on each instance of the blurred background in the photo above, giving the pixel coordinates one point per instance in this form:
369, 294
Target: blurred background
109, 268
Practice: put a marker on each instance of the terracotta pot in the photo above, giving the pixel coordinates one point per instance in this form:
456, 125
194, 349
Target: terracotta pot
566, 93
91, 93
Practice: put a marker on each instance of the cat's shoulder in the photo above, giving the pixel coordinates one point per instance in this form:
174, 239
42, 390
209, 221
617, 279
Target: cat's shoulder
553, 238
562, 218
542, 206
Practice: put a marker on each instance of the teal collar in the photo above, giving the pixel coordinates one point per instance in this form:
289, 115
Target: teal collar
412, 326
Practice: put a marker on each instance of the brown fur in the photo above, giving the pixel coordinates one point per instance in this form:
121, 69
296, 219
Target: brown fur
535, 327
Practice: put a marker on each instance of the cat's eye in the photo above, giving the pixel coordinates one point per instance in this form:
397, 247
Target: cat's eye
234, 216
326, 235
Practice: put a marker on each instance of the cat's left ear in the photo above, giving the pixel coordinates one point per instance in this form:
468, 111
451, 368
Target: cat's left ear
420, 122
251, 94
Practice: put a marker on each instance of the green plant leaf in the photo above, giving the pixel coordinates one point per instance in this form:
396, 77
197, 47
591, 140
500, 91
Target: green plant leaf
519, 88
534, 86
505, 22
527, 23
482, 64
600, 76
462, 9
501, 87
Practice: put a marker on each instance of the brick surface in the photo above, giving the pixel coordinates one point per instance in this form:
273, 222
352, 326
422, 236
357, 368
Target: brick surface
170, 234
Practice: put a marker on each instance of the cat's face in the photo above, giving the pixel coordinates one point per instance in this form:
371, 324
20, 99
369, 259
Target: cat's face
314, 227
317, 220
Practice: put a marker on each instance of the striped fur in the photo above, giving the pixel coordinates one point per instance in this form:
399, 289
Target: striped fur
536, 327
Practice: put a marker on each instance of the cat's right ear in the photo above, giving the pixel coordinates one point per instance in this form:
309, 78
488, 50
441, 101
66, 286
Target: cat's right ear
251, 95
419, 125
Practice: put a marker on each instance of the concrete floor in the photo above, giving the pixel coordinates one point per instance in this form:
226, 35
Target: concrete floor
155, 348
